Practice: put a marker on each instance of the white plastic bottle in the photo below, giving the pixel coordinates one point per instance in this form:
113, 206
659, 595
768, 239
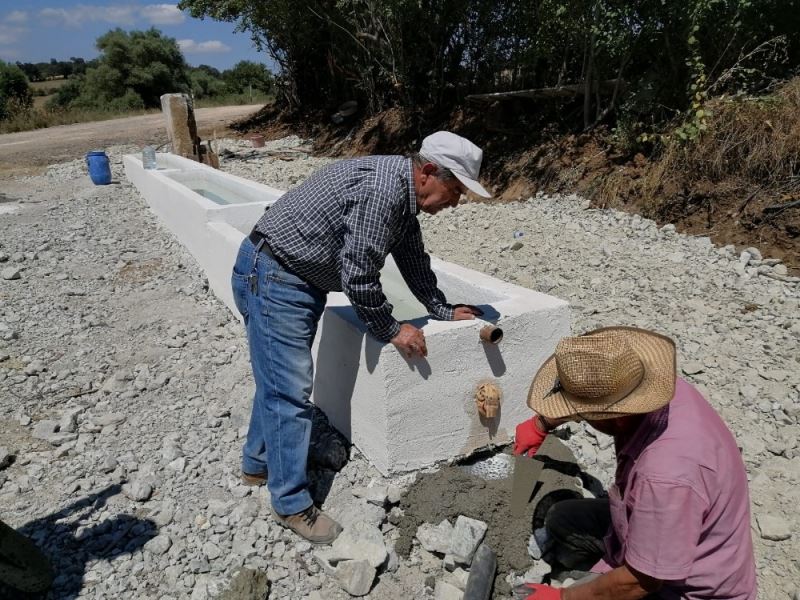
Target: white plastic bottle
149, 158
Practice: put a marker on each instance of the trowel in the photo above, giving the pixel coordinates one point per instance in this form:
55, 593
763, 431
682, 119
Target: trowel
523, 482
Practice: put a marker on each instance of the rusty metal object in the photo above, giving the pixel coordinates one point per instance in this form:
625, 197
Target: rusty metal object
491, 334
487, 397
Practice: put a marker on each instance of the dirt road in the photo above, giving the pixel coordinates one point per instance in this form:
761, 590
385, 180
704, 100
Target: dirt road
28, 151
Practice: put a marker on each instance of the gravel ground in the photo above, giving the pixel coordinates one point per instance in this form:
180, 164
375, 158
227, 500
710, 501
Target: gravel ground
124, 384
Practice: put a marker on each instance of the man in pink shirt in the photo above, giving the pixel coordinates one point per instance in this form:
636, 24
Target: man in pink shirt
676, 524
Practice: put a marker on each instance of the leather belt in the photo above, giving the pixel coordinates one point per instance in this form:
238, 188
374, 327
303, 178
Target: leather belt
256, 237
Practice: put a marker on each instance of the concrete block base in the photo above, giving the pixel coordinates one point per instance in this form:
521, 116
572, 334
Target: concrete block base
408, 414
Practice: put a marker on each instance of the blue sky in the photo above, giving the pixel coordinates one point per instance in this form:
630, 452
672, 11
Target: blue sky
38, 30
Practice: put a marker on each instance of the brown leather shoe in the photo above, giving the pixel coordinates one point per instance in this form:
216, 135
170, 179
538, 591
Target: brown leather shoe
254, 478
312, 524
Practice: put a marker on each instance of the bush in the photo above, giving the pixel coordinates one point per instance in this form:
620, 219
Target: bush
246, 76
15, 93
129, 101
205, 85
65, 95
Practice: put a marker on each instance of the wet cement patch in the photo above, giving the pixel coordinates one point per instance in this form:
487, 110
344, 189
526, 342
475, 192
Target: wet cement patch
453, 491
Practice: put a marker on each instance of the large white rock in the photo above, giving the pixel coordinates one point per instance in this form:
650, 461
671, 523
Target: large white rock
362, 541
467, 536
774, 528
446, 591
435, 538
355, 576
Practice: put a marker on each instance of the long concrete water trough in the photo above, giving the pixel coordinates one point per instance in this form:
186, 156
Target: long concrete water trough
402, 414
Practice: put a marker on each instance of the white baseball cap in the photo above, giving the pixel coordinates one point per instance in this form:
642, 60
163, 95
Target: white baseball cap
459, 155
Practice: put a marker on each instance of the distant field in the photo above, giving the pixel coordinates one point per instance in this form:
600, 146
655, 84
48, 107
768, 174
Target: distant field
48, 86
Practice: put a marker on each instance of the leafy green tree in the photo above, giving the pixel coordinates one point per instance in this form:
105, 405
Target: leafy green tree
66, 94
432, 53
15, 94
246, 75
206, 85
213, 71
78, 65
101, 85
31, 70
144, 64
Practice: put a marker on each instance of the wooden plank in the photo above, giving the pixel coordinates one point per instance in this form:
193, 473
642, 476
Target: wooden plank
563, 91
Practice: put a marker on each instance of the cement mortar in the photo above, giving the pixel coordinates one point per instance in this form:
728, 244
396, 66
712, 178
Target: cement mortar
452, 491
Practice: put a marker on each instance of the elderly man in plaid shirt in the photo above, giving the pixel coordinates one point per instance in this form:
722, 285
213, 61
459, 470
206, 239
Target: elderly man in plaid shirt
333, 233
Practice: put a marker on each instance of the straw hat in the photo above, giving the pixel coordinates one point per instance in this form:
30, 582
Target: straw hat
606, 373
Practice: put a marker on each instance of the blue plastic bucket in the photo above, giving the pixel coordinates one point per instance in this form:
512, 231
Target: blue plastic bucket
99, 169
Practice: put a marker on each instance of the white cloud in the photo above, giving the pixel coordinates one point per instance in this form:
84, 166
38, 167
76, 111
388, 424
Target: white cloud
209, 47
79, 14
118, 14
162, 14
10, 35
16, 16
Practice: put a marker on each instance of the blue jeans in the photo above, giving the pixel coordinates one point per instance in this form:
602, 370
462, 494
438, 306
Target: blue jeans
280, 312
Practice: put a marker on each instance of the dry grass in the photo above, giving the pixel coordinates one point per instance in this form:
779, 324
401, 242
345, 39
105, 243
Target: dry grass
40, 118
48, 85
752, 144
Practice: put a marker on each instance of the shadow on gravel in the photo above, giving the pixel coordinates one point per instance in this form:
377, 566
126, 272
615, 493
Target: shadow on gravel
69, 545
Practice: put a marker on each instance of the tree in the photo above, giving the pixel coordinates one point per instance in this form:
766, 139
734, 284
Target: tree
15, 95
78, 65
139, 64
32, 71
432, 53
66, 95
204, 84
213, 71
245, 75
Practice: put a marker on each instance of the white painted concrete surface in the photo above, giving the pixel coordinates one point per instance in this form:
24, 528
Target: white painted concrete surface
211, 231
402, 414
407, 414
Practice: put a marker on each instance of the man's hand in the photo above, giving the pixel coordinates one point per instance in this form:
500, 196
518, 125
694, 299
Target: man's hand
622, 583
536, 591
465, 312
410, 341
529, 436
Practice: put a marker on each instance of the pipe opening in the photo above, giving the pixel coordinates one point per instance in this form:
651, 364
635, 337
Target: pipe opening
491, 334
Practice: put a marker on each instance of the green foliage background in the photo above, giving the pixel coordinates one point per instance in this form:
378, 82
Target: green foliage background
432, 53
134, 69
14, 92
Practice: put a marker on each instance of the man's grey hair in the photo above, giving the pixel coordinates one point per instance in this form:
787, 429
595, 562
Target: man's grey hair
442, 173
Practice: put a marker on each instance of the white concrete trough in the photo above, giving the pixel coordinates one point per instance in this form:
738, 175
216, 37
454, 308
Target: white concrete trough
402, 414
208, 211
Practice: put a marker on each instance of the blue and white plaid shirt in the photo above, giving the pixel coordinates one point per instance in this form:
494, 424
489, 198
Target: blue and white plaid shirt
336, 229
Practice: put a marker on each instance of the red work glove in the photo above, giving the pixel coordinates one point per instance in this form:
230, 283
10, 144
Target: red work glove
536, 591
529, 437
